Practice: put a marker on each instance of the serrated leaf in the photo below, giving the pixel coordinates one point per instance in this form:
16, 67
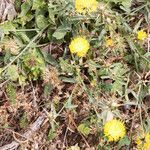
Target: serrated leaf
47, 89
12, 73
84, 129
51, 134
25, 7
11, 93
124, 142
69, 104
49, 59
37, 4
17, 4
60, 32
23, 121
51, 15
24, 19
117, 87
126, 4
41, 21
65, 66
7, 26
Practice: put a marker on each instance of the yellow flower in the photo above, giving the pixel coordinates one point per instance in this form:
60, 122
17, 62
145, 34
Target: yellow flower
143, 142
83, 6
109, 43
141, 35
114, 130
80, 46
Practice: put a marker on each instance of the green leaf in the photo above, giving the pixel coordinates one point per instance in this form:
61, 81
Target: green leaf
23, 36
47, 89
11, 93
22, 80
25, 7
60, 32
137, 26
37, 4
25, 19
69, 104
65, 66
23, 121
49, 59
17, 4
12, 73
1, 34
51, 15
84, 129
51, 134
124, 142
126, 5
68, 80
41, 21
93, 65
117, 86
7, 26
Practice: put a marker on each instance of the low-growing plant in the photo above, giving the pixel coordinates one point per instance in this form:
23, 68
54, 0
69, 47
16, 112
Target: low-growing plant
85, 64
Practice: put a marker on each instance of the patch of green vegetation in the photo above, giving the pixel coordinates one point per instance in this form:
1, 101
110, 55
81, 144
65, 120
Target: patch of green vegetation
82, 63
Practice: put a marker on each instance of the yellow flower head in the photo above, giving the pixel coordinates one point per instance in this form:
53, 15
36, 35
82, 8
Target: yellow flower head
109, 43
83, 6
114, 130
80, 46
143, 142
141, 35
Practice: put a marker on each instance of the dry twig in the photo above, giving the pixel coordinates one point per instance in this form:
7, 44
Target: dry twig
34, 127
